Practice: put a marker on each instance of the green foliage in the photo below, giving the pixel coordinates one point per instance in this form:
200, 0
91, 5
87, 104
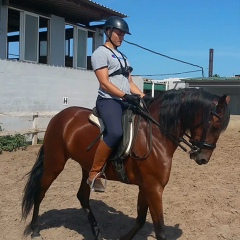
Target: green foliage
12, 143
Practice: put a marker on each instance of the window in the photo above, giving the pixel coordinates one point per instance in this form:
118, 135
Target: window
13, 46
43, 40
76, 47
81, 48
68, 46
28, 37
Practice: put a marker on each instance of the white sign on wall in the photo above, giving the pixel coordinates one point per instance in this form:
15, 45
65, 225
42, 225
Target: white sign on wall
65, 100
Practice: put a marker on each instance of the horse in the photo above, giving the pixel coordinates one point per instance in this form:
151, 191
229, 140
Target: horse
190, 116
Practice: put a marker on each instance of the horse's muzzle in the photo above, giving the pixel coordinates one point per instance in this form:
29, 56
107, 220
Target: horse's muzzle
201, 161
199, 158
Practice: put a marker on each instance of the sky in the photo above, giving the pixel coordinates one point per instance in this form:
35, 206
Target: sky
184, 30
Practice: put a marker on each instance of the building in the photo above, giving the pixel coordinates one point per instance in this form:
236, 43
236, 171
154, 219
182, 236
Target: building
45, 49
217, 85
220, 86
56, 33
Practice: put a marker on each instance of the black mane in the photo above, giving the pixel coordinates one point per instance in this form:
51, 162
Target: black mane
182, 106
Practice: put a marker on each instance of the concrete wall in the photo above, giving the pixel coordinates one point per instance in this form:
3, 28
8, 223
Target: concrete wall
233, 92
29, 88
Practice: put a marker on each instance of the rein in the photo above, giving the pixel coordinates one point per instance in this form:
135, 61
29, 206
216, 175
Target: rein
195, 146
168, 134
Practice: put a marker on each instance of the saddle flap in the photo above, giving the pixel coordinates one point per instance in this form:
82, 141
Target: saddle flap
122, 150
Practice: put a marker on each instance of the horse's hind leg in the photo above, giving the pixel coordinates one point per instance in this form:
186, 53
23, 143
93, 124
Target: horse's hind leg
83, 196
53, 166
142, 207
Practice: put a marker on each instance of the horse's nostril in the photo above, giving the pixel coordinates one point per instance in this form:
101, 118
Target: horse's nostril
201, 161
204, 161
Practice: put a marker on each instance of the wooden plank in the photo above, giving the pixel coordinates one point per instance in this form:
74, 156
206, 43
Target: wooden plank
22, 132
34, 126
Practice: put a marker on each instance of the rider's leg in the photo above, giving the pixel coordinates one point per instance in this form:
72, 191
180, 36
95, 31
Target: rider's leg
110, 111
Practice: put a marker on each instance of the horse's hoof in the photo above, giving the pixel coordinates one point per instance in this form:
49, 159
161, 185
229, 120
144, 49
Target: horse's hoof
36, 236
162, 238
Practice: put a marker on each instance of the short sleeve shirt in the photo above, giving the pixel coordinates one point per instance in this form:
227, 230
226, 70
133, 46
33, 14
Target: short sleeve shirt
103, 57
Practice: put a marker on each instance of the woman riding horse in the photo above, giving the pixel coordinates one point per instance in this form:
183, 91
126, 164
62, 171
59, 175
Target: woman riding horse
193, 113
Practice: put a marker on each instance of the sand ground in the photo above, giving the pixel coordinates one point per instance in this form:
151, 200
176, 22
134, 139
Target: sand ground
200, 202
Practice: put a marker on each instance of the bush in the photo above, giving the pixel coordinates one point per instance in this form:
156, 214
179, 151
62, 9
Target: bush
12, 143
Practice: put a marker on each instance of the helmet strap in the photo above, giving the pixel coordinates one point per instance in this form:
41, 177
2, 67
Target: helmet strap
109, 37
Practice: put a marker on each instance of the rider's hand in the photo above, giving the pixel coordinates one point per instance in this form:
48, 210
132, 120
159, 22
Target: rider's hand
132, 99
147, 99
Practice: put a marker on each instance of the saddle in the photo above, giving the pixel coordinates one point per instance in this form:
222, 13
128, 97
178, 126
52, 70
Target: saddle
122, 150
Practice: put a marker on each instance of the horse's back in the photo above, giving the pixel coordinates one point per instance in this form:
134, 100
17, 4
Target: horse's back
66, 115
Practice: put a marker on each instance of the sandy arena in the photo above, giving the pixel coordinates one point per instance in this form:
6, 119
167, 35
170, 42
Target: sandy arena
200, 202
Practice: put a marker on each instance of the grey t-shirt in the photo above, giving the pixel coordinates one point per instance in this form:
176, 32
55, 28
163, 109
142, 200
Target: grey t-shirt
103, 57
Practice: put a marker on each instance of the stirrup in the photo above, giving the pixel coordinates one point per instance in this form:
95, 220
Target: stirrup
91, 184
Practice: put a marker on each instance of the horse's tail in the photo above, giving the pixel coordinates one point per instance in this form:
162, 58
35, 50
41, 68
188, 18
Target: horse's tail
32, 187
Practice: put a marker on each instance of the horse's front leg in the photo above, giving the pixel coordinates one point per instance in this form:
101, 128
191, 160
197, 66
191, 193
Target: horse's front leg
142, 207
154, 198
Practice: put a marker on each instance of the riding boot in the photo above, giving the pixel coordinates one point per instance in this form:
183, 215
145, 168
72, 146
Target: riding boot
102, 154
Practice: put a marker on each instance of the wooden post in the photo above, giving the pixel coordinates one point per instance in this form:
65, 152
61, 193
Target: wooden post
35, 125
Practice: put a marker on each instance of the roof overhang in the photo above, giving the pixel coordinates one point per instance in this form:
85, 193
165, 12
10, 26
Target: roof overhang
213, 82
75, 11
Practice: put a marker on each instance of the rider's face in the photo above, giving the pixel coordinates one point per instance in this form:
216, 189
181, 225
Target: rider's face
117, 37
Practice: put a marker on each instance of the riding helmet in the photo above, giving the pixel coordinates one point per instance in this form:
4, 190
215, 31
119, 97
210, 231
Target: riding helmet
116, 22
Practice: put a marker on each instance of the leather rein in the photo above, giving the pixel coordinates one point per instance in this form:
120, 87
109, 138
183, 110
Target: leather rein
195, 146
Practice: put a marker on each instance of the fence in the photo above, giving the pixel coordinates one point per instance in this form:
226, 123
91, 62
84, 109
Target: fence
33, 132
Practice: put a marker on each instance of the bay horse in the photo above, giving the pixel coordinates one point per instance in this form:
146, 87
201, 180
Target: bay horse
175, 115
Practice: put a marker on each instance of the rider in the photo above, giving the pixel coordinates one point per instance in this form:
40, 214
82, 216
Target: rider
116, 88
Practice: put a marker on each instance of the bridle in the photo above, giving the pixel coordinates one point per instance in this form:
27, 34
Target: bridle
195, 145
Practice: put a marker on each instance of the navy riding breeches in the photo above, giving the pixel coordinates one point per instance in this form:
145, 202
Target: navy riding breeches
110, 111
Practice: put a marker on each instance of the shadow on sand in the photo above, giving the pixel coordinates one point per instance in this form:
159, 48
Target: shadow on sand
113, 223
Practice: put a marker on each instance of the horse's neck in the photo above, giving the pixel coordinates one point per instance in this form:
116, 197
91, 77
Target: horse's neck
161, 140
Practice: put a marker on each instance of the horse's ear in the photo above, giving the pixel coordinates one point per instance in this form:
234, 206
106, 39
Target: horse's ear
224, 99
227, 99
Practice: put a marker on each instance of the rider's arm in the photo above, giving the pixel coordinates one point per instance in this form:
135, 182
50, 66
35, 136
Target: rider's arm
102, 76
134, 88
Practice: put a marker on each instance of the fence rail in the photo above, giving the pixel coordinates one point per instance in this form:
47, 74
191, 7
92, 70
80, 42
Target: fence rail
34, 131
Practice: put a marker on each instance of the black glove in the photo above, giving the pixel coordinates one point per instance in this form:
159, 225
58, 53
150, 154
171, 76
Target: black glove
132, 99
147, 99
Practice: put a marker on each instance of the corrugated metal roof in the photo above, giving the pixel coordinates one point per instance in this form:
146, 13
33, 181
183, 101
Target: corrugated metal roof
75, 11
211, 79
213, 82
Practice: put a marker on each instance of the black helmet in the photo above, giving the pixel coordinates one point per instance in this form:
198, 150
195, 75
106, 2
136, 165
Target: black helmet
116, 22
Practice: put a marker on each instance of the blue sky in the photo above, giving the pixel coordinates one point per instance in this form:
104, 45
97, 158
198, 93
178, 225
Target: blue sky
184, 30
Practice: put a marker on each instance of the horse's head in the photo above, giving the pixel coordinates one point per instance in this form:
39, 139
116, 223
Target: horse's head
196, 113
207, 129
